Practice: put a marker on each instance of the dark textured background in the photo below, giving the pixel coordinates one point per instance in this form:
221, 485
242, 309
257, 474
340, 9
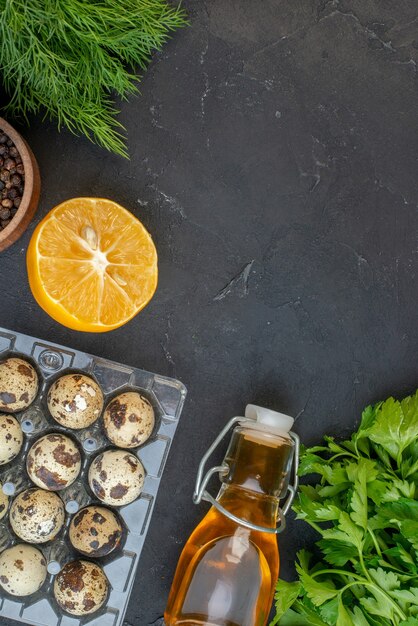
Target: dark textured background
274, 159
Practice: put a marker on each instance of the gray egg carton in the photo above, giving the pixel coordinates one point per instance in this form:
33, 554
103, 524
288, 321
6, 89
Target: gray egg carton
167, 397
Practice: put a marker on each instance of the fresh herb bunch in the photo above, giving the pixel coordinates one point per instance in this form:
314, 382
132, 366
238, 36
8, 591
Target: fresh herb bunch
66, 58
365, 508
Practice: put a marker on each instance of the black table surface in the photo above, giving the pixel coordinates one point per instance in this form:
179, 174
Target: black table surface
274, 159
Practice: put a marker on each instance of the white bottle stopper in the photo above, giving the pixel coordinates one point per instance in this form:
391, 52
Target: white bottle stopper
268, 420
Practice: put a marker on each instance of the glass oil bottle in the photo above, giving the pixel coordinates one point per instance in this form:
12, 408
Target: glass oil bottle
228, 569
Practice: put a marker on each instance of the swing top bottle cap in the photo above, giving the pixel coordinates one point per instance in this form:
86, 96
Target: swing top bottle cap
269, 421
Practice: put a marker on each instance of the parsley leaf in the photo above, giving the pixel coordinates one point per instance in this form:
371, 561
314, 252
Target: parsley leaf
343, 618
395, 425
317, 591
359, 512
286, 594
387, 580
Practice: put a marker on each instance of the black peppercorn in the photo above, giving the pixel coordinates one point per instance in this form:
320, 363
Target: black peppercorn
9, 164
12, 193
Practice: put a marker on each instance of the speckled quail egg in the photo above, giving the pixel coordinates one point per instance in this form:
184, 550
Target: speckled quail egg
129, 420
53, 462
18, 385
4, 502
22, 570
11, 438
81, 587
116, 477
75, 401
95, 531
37, 516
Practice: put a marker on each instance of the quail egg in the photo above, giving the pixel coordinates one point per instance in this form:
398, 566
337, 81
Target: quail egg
81, 587
37, 516
95, 531
11, 438
4, 502
129, 420
22, 570
53, 462
75, 401
18, 385
116, 477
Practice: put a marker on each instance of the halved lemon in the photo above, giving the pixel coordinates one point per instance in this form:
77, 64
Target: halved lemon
92, 265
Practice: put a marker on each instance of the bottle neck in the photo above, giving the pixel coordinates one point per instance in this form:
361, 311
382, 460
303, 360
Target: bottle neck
258, 473
259, 462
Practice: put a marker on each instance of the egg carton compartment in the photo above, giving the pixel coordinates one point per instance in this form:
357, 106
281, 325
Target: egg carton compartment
166, 396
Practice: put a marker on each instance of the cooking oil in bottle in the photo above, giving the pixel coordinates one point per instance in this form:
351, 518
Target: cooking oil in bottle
228, 569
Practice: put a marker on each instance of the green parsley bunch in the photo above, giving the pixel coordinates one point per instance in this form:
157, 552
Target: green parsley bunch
67, 59
365, 508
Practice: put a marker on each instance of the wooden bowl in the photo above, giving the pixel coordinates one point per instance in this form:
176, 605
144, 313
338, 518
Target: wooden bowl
31, 190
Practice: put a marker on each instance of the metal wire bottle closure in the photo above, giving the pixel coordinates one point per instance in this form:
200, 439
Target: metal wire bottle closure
200, 492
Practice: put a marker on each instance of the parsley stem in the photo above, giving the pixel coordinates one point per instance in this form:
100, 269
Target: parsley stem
363, 567
376, 544
343, 454
314, 525
337, 571
366, 583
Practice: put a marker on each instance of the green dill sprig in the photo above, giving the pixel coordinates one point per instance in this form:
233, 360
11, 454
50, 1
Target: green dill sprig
66, 59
